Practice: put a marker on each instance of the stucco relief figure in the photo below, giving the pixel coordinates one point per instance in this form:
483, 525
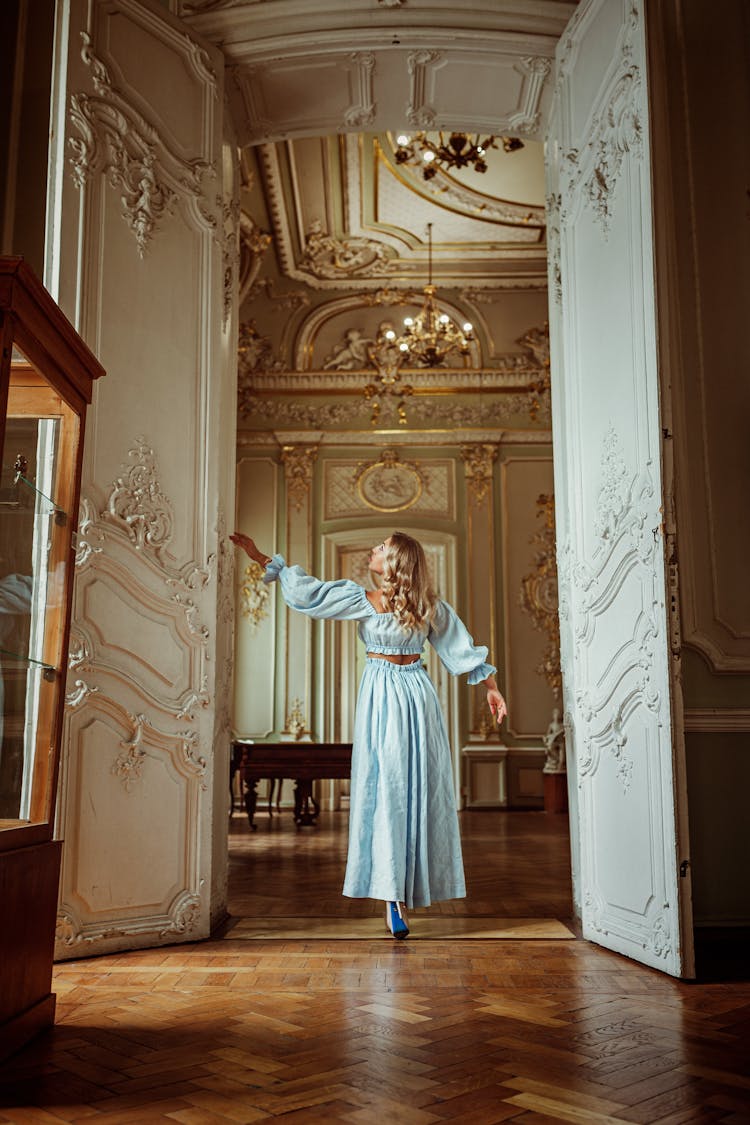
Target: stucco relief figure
404, 843
351, 355
554, 745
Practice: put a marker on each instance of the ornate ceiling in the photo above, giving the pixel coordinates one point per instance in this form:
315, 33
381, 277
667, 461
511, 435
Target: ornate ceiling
334, 230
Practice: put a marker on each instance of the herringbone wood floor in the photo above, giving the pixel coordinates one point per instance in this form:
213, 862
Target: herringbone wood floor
377, 1031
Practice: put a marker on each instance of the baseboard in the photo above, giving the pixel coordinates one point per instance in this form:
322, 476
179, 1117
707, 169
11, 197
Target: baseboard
16, 1032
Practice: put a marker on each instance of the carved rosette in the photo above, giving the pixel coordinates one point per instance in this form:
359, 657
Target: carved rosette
478, 461
539, 593
298, 461
137, 504
116, 139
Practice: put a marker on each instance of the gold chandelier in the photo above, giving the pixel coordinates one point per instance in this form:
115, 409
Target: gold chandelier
431, 335
459, 151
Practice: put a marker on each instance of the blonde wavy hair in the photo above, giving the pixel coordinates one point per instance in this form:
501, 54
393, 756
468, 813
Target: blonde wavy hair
406, 589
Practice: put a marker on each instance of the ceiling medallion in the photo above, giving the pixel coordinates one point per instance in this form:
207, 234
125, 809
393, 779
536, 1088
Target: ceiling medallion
459, 151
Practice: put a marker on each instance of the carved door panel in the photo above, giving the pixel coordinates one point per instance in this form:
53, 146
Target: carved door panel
137, 257
622, 717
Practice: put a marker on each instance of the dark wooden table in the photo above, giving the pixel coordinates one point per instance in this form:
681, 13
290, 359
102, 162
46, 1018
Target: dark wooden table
304, 761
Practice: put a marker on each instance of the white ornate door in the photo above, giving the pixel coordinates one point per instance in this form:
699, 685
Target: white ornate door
140, 193
623, 713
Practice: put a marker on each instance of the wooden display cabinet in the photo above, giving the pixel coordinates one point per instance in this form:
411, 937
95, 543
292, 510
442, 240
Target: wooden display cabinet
46, 380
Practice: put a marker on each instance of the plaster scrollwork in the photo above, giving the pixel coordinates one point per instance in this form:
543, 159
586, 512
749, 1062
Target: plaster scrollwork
79, 693
616, 132
230, 250
526, 216
117, 140
298, 413
183, 915
325, 256
418, 113
536, 70
128, 765
554, 258
298, 461
137, 504
362, 114
89, 538
614, 490
254, 243
478, 462
255, 354
660, 936
224, 572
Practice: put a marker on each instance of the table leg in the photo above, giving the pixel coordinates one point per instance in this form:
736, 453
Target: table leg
306, 808
251, 799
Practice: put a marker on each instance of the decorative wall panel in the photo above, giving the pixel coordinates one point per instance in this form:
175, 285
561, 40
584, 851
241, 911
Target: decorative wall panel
345, 495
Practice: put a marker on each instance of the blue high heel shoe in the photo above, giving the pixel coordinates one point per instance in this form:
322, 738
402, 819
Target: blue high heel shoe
396, 919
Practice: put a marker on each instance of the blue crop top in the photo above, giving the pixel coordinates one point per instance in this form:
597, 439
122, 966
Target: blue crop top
344, 600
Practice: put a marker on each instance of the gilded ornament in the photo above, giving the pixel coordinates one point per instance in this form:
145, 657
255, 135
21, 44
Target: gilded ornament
298, 461
295, 722
539, 593
254, 595
478, 460
389, 485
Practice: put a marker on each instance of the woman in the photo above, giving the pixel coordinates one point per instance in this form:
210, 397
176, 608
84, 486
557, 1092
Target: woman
404, 844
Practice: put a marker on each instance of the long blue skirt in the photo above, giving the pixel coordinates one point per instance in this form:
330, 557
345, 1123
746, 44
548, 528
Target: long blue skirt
404, 843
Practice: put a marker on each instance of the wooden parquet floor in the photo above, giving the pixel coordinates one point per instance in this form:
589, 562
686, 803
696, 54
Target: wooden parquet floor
381, 1031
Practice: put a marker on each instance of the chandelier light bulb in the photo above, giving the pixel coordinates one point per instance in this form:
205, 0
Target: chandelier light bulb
408, 321
468, 328
444, 319
428, 156
390, 334
403, 139
404, 347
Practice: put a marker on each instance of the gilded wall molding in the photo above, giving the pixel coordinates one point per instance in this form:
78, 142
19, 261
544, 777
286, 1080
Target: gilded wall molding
478, 459
298, 462
117, 140
254, 595
538, 596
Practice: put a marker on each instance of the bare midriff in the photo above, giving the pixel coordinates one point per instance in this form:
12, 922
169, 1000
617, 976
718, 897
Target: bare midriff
395, 658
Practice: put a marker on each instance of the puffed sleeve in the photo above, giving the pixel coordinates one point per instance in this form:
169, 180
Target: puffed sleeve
451, 640
342, 600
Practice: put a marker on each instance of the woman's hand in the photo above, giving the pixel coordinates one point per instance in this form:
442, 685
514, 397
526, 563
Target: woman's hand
497, 705
248, 546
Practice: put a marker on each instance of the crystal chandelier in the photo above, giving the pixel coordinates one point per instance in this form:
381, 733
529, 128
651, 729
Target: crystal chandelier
459, 151
431, 335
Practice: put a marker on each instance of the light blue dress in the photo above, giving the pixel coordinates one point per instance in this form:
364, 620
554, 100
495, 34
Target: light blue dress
404, 843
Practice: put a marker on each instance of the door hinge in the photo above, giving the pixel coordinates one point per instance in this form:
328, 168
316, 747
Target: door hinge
684, 868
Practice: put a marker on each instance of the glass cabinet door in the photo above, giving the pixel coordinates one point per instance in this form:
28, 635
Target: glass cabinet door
37, 494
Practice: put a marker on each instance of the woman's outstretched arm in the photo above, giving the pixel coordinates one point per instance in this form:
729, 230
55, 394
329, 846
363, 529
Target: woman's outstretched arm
245, 543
